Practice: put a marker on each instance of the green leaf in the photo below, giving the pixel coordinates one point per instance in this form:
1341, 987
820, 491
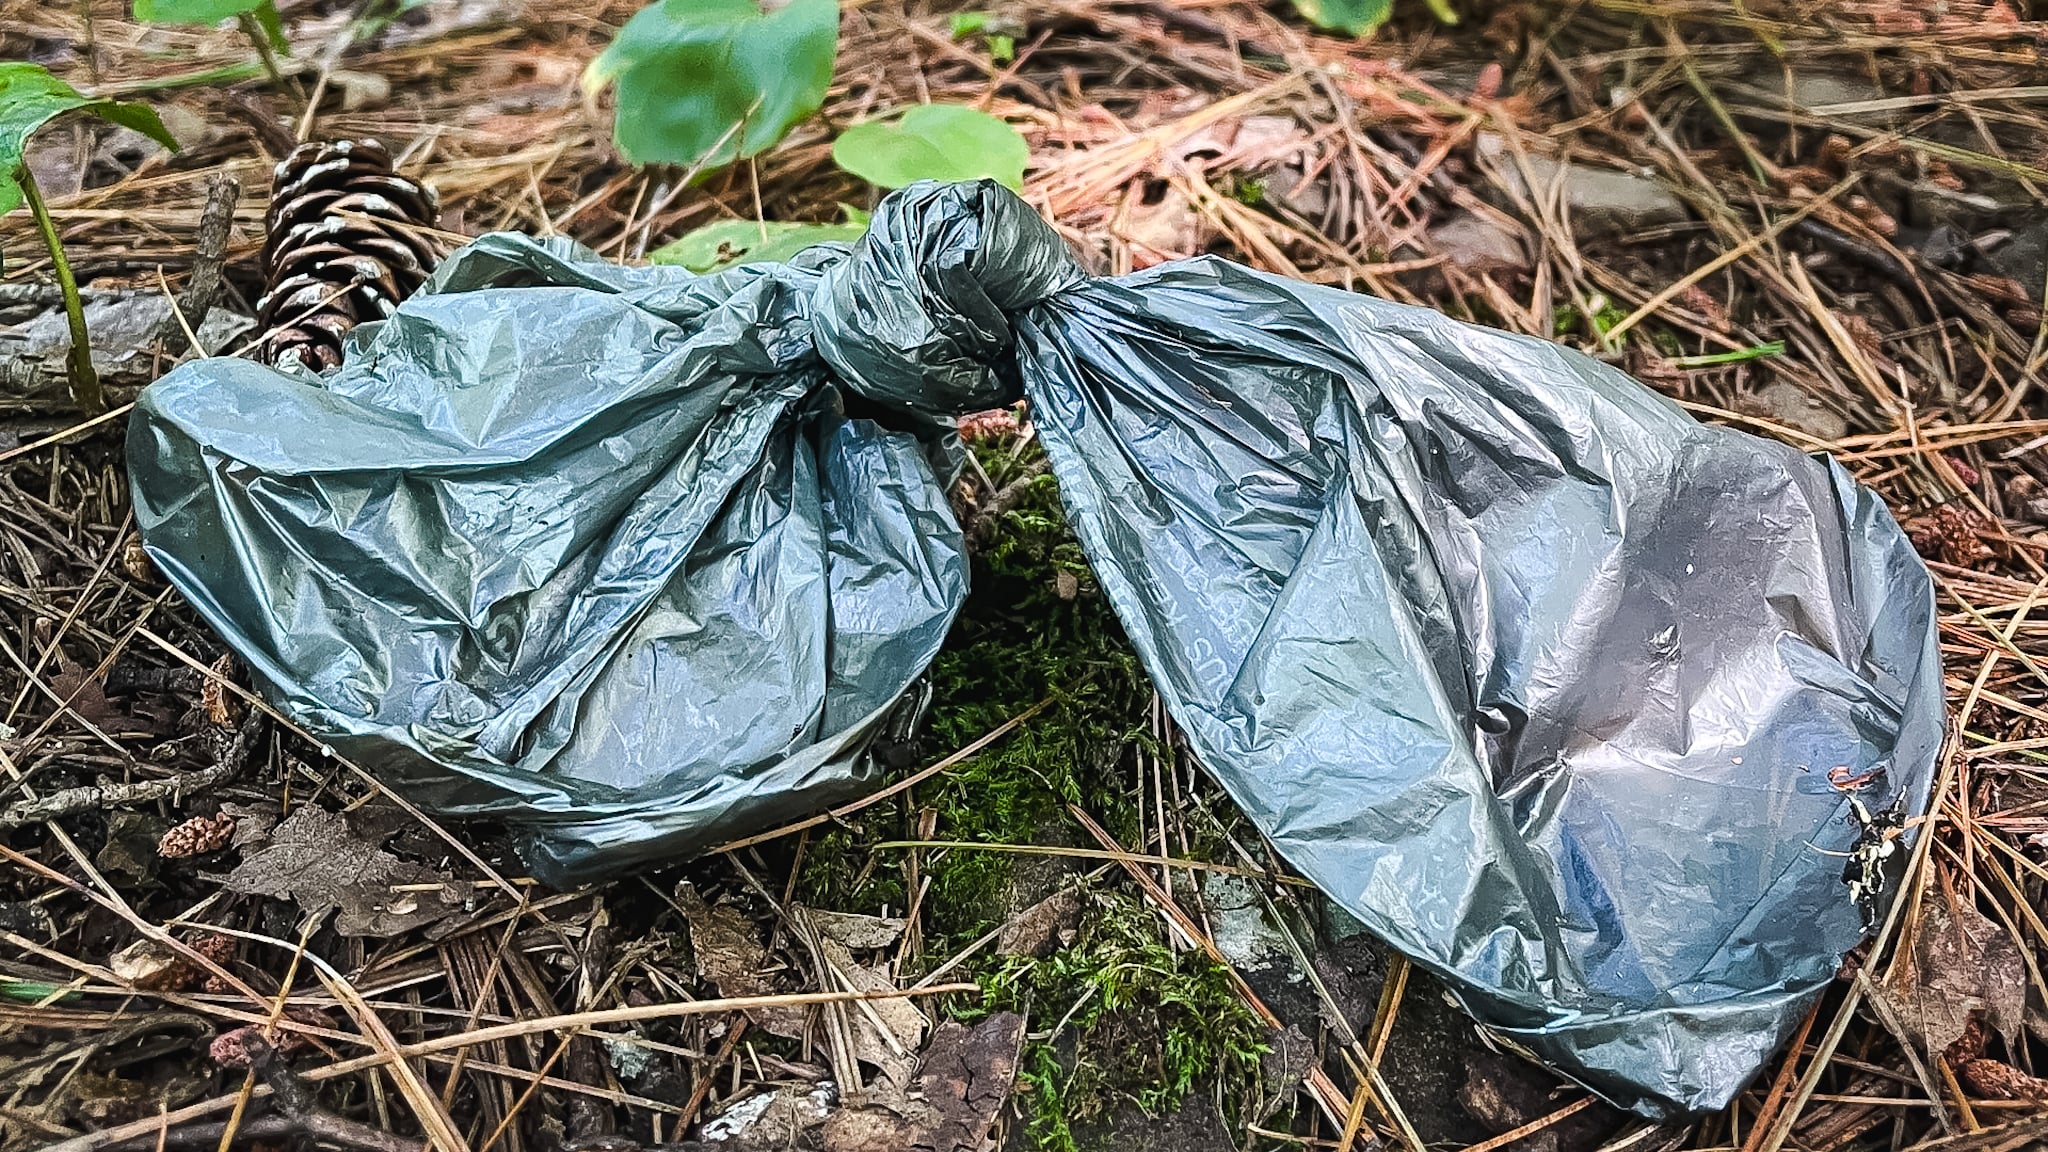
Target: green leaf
1002, 49
30, 97
272, 24
1358, 17
705, 82
193, 11
34, 991
933, 142
729, 242
968, 23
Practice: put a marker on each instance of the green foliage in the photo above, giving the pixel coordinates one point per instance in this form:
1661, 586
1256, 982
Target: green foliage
1358, 17
933, 142
1734, 356
1017, 641
727, 242
999, 36
30, 97
704, 82
1149, 1022
193, 11
34, 991
1362, 17
264, 12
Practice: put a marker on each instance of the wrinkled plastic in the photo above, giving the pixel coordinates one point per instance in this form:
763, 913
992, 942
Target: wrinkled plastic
1552, 687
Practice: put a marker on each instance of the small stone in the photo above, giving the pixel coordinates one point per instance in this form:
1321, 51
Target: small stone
1600, 202
1478, 243
1783, 402
1065, 584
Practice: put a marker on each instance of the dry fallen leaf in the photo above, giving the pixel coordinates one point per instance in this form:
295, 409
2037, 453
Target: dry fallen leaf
223, 708
860, 933
150, 965
966, 1077
894, 1054
75, 683
1039, 929
730, 955
318, 860
253, 822
1961, 964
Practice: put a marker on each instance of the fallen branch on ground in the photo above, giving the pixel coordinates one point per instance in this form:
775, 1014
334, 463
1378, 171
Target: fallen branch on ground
99, 797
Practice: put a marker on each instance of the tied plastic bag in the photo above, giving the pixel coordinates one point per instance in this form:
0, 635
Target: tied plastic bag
1552, 687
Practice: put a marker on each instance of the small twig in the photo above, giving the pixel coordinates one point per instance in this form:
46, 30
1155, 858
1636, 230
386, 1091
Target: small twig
698, 1094
210, 251
93, 797
1888, 1015
299, 1115
1533, 1126
321, 1128
982, 525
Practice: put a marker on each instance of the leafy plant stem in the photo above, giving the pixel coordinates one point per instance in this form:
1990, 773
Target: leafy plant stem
85, 382
224, 74
254, 31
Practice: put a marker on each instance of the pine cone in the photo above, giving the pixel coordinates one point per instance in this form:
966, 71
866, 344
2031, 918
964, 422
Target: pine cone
197, 837
344, 246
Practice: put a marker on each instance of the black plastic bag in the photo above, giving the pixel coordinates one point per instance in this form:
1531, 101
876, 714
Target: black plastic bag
1560, 692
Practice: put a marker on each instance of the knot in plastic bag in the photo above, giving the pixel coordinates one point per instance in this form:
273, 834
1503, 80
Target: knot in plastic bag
918, 316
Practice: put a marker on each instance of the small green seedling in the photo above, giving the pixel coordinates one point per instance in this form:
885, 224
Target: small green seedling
1362, 17
933, 142
998, 34
258, 18
29, 98
702, 83
728, 242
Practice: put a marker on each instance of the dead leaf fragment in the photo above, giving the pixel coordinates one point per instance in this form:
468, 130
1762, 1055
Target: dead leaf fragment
1961, 965
151, 966
860, 933
966, 1077
892, 1048
75, 683
253, 822
315, 858
730, 955
223, 708
1044, 926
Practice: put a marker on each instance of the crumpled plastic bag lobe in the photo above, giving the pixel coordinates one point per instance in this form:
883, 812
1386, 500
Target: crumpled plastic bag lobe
1560, 692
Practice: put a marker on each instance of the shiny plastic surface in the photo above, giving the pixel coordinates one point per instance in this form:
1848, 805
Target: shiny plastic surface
1547, 683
